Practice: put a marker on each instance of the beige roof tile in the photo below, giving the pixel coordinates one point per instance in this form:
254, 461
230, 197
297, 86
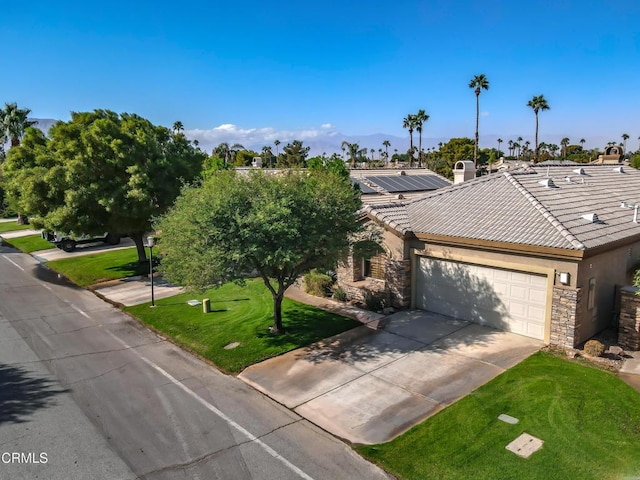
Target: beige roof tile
517, 208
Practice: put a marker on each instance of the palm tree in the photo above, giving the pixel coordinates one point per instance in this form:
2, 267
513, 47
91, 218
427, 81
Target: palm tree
499, 144
14, 122
511, 148
409, 122
386, 145
565, 143
276, 143
420, 118
178, 127
582, 142
625, 137
478, 82
519, 144
538, 103
354, 151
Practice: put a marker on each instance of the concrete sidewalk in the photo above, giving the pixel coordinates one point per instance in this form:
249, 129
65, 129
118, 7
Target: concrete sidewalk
630, 371
82, 249
135, 290
19, 233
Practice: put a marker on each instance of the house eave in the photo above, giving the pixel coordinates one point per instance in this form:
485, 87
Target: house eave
502, 247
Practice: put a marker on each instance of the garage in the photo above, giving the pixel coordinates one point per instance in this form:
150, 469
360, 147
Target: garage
504, 299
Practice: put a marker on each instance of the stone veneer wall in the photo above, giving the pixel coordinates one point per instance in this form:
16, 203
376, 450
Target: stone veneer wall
398, 278
565, 322
629, 327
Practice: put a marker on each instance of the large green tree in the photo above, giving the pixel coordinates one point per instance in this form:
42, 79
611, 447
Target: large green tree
100, 172
478, 83
279, 226
293, 155
538, 103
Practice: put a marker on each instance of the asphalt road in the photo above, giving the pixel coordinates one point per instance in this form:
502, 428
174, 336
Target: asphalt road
102, 397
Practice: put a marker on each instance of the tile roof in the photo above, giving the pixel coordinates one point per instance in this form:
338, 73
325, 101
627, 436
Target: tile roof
518, 208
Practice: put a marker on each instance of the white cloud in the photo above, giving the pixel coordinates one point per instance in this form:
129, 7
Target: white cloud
484, 114
255, 137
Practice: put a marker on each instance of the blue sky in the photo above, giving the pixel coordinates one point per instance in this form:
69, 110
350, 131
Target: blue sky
275, 69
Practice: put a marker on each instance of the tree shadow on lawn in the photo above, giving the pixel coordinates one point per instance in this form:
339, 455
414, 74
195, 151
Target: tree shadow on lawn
22, 393
304, 325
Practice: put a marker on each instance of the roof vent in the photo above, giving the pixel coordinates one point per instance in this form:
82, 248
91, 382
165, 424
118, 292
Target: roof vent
547, 182
567, 179
618, 169
579, 171
400, 196
591, 217
402, 172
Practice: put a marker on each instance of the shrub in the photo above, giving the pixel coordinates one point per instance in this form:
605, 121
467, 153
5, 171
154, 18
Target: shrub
594, 348
339, 294
317, 283
374, 301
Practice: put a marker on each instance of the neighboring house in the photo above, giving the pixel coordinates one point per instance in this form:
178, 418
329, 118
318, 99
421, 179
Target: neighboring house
540, 251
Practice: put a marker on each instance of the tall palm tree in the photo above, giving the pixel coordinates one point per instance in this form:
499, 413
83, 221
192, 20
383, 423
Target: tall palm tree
14, 122
499, 144
353, 149
565, 143
582, 142
386, 145
409, 122
478, 83
625, 137
519, 144
538, 103
178, 127
511, 148
276, 143
420, 118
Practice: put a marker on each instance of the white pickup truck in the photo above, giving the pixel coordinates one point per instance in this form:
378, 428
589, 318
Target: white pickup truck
69, 242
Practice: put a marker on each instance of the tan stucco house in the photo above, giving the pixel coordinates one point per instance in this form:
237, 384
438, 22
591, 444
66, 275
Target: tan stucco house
541, 251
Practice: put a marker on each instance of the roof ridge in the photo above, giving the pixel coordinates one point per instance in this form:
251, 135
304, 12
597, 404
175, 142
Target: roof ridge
376, 212
545, 212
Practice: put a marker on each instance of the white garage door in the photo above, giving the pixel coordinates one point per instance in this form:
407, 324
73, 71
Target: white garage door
503, 299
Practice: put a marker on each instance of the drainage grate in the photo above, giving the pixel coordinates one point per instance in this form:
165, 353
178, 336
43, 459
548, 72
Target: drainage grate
525, 445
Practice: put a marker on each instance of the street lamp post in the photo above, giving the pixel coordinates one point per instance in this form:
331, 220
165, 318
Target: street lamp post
151, 241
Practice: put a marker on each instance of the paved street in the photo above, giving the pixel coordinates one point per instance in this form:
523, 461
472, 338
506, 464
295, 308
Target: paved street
105, 398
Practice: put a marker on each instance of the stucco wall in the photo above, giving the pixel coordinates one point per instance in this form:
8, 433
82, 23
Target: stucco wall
612, 270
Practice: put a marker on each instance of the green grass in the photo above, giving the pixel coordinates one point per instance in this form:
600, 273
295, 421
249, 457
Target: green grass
588, 419
30, 243
99, 267
11, 226
239, 314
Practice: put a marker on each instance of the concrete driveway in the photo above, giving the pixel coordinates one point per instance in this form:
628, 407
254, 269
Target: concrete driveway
82, 249
370, 386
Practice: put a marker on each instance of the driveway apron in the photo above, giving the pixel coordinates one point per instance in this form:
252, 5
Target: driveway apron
370, 386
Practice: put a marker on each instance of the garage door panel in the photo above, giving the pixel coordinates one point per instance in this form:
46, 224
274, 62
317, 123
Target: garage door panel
504, 299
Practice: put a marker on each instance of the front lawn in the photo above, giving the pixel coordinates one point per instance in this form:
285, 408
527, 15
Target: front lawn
30, 243
239, 314
12, 226
588, 419
87, 270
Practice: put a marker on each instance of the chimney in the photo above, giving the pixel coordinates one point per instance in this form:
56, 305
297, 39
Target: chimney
462, 171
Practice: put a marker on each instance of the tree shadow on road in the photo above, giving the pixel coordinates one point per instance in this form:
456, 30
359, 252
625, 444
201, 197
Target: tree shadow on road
22, 393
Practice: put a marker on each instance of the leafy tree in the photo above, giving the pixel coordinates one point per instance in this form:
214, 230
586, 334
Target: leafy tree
244, 158
635, 162
538, 103
280, 226
100, 172
478, 83
451, 152
293, 155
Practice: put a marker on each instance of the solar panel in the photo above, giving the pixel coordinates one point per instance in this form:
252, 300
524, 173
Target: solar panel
408, 183
364, 188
